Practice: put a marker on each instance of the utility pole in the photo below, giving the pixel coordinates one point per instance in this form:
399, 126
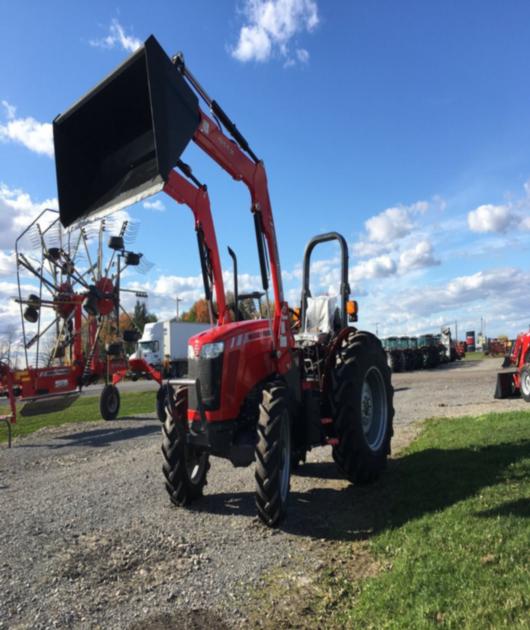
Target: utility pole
178, 300
377, 329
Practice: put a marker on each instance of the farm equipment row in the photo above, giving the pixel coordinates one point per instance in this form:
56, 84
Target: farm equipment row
422, 353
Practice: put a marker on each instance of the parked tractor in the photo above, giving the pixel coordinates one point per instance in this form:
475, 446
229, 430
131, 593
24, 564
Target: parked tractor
429, 350
394, 354
256, 393
418, 356
515, 380
442, 349
409, 357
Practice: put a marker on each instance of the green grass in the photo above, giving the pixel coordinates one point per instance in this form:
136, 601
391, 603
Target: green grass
476, 356
453, 540
85, 409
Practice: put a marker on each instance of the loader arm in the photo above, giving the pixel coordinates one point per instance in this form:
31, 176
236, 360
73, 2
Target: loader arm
211, 139
197, 199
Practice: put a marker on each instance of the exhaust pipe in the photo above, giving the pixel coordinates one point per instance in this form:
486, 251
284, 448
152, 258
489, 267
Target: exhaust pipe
118, 143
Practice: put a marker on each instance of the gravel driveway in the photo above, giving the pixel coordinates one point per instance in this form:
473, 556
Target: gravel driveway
89, 539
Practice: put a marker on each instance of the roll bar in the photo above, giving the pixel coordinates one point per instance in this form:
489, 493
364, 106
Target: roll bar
344, 285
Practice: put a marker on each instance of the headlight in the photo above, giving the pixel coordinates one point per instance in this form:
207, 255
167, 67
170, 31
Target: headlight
212, 350
191, 352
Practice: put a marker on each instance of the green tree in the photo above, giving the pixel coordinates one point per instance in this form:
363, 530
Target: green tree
141, 316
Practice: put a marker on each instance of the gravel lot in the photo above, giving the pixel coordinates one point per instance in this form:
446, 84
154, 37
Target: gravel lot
89, 538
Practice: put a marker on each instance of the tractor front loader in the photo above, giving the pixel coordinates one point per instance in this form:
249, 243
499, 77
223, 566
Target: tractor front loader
258, 391
515, 380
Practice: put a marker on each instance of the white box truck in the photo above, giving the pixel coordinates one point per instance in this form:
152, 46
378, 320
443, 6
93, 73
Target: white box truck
164, 345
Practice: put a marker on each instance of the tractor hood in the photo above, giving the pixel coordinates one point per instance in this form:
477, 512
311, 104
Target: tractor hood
118, 143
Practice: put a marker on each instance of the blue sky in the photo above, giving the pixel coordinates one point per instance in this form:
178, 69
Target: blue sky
403, 125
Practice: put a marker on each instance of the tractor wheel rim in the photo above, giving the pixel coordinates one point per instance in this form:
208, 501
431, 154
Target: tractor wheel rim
285, 455
195, 465
525, 383
374, 408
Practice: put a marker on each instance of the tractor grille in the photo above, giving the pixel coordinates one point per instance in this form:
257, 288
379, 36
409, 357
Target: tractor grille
209, 372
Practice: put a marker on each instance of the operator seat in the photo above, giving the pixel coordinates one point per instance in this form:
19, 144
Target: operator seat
322, 317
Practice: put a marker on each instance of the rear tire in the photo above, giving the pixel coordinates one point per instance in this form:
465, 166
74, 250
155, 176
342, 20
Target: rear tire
109, 402
273, 454
185, 468
525, 382
362, 404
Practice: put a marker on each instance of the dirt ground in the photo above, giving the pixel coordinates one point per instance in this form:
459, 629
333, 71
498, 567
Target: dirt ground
89, 539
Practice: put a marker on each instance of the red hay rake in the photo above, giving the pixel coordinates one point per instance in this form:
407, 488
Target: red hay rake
70, 315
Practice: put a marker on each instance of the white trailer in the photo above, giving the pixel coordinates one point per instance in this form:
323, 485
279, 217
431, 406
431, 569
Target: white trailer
164, 345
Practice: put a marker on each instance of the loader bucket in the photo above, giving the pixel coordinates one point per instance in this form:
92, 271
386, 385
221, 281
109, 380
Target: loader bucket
505, 384
118, 143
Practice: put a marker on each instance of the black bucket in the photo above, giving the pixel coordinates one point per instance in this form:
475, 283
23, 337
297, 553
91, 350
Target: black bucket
118, 143
505, 387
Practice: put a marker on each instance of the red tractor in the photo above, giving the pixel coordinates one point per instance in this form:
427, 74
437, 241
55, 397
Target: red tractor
262, 391
516, 380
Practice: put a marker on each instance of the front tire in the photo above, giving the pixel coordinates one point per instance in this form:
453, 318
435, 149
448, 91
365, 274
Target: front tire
185, 468
362, 404
525, 382
163, 396
109, 402
273, 454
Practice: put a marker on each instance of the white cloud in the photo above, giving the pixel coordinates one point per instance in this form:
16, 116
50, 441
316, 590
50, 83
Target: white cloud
490, 218
11, 110
271, 24
383, 230
7, 263
117, 37
493, 284
17, 210
496, 294
154, 205
418, 257
391, 224
366, 249
303, 55
34, 135
379, 267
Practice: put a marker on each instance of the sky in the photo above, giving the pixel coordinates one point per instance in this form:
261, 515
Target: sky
404, 126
